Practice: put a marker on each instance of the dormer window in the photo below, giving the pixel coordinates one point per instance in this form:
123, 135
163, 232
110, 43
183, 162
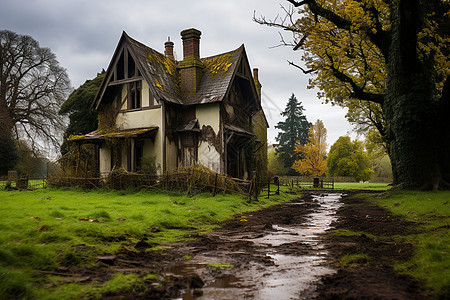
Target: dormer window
134, 95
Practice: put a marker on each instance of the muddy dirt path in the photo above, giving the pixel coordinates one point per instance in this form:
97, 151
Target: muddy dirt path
271, 254
286, 252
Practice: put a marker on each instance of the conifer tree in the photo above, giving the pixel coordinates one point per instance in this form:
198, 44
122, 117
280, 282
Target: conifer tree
294, 128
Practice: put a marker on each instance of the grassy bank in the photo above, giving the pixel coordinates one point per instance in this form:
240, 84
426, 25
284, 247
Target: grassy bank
430, 211
44, 230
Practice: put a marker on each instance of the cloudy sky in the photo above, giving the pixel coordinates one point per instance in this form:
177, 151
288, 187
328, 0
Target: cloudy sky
84, 33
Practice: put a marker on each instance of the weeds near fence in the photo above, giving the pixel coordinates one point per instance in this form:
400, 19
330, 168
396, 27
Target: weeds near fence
191, 180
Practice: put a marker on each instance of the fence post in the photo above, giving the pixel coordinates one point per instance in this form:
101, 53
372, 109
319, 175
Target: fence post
277, 182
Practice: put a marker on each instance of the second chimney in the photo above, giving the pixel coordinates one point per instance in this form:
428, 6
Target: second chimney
168, 48
257, 83
191, 66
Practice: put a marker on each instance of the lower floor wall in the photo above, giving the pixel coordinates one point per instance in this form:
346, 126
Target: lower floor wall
146, 156
209, 157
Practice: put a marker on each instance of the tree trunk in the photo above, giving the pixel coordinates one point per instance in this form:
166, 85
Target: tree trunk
415, 124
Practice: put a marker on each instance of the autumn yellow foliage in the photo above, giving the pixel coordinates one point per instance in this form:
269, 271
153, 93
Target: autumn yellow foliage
313, 153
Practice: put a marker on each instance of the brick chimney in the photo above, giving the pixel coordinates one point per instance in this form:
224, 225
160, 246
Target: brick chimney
257, 83
168, 48
191, 66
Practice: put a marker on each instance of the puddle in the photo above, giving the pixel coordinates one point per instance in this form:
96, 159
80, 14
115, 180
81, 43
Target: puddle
298, 260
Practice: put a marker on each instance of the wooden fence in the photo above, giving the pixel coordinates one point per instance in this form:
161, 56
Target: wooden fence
190, 180
307, 182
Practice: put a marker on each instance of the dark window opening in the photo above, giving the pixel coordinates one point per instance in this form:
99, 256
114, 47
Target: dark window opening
139, 153
134, 95
131, 67
120, 68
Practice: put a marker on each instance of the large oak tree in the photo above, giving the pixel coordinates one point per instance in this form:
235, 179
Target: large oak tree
32, 88
387, 61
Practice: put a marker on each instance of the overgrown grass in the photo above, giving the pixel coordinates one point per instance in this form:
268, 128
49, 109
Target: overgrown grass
431, 212
45, 229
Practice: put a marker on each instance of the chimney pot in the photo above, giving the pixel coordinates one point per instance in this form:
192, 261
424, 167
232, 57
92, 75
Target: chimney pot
168, 48
191, 42
257, 83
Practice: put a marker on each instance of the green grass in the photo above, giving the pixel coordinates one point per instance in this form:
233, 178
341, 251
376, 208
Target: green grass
48, 228
361, 186
349, 260
430, 211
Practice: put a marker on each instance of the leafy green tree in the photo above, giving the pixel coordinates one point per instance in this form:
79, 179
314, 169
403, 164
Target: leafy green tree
387, 61
347, 158
275, 164
294, 128
29, 163
78, 108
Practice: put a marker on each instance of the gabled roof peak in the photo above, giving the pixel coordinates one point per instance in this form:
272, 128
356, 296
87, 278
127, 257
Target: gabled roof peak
161, 72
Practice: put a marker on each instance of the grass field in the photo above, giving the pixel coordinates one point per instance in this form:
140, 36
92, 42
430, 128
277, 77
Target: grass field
40, 231
361, 186
431, 212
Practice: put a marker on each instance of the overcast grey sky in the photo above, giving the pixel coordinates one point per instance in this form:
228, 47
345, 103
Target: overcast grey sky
84, 33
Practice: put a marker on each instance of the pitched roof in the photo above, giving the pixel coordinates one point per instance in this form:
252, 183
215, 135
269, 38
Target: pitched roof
216, 78
163, 77
159, 70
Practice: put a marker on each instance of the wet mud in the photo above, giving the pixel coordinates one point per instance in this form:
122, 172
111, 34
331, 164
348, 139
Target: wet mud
284, 252
272, 254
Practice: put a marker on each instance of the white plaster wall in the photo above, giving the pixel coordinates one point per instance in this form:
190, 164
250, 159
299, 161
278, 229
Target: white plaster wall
209, 114
105, 160
139, 119
208, 156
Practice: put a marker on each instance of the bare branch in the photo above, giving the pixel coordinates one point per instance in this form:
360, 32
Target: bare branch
303, 70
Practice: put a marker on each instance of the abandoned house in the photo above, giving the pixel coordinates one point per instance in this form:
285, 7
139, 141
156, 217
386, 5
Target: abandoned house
153, 109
